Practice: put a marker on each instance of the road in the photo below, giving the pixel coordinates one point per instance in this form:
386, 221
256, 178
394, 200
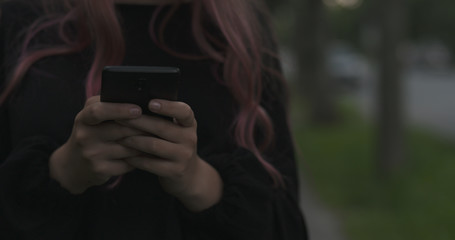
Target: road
428, 100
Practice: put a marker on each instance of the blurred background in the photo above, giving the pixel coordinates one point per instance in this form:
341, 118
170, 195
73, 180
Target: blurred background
373, 114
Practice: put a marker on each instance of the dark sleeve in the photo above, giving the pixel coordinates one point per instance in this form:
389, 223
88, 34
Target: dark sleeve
251, 207
4, 132
30, 202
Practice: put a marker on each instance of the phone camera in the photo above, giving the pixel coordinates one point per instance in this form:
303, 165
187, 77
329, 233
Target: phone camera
140, 84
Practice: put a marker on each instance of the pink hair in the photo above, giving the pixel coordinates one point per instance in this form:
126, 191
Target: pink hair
240, 51
243, 65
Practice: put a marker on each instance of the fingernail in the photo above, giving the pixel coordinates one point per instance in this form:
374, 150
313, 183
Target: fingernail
155, 105
135, 111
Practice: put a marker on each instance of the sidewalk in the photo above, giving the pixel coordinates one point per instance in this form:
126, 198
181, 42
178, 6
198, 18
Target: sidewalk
322, 223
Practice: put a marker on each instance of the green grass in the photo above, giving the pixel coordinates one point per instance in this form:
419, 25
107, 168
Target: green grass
417, 202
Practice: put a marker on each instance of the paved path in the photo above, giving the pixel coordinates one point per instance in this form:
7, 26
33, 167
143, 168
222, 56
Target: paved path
322, 223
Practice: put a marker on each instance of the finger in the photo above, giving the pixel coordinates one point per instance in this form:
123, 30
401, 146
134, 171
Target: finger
157, 166
92, 100
108, 159
182, 112
155, 146
156, 126
98, 112
113, 168
108, 151
116, 151
113, 131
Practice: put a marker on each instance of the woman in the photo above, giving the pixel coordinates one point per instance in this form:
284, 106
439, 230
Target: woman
230, 174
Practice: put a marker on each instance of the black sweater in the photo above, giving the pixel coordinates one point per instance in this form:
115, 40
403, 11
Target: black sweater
38, 118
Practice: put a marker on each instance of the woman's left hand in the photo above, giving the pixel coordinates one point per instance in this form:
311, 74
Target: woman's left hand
170, 151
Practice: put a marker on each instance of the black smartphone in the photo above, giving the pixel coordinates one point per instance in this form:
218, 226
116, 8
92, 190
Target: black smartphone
139, 84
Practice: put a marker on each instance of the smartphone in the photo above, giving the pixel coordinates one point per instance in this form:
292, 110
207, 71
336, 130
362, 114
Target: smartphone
139, 84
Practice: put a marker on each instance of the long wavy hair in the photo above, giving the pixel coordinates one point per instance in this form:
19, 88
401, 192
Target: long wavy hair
240, 51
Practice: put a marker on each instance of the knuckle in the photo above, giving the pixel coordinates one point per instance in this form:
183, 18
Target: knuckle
90, 154
193, 139
81, 137
78, 117
100, 168
90, 100
93, 111
187, 154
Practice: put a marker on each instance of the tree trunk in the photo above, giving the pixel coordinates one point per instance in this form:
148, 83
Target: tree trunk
311, 43
390, 112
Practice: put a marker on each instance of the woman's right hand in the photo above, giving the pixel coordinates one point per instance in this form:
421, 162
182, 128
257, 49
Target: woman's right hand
91, 156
